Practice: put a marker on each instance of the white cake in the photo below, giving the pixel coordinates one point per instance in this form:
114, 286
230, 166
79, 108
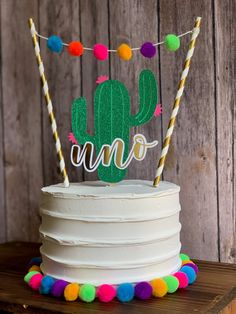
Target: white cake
98, 233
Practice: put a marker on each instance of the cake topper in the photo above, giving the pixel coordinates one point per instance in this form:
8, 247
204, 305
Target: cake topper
112, 124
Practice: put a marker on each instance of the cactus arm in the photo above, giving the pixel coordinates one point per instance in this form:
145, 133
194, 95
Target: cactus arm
147, 98
79, 121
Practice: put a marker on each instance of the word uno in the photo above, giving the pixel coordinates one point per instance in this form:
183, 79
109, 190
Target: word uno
116, 149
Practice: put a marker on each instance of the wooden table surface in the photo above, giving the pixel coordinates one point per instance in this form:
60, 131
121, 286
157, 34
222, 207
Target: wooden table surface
214, 291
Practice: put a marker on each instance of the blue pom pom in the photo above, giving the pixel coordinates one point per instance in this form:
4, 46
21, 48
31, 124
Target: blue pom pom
46, 284
189, 271
54, 43
35, 261
125, 292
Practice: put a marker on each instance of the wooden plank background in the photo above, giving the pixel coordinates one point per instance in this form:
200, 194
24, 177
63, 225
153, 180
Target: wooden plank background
202, 154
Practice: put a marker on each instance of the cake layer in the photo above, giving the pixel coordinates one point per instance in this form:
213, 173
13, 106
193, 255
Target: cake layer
108, 274
64, 230
110, 254
93, 232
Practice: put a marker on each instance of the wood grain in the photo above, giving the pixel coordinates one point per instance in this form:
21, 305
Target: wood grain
133, 23
225, 38
213, 291
63, 73
230, 309
191, 162
94, 29
2, 170
21, 120
202, 153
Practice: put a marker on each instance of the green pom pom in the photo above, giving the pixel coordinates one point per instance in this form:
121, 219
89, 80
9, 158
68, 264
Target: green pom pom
172, 283
87, 293
29, 275
184, 257
172, 42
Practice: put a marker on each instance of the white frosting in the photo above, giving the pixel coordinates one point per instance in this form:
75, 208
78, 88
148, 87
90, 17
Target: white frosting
98, 233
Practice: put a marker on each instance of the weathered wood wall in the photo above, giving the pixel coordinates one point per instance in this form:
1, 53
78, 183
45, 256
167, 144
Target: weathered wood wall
202, 153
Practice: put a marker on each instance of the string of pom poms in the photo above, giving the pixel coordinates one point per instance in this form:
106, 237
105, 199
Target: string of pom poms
124, 51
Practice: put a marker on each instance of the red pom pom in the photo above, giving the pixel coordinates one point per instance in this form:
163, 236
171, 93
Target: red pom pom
106, 293
100, 52
35, 281
75, 48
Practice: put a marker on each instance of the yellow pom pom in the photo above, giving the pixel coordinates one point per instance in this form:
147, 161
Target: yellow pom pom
124, 52
35, 268
159, 287
187, 262
71, 292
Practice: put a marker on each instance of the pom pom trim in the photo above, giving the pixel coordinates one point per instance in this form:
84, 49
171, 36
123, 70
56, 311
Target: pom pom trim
124, 292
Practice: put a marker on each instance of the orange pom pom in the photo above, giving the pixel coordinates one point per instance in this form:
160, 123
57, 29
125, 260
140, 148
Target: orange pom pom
35, 268
124, 52
159, 287
75, 48
71, 292
187, 262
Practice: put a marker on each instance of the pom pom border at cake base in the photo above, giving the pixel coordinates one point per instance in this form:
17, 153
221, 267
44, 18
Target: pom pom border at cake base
124, 292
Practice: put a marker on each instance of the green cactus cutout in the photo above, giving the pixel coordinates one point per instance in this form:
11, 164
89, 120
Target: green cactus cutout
113, 119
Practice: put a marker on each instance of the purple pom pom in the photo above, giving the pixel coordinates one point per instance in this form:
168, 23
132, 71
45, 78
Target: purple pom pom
148, 50
194, 266
143, 290
58, 288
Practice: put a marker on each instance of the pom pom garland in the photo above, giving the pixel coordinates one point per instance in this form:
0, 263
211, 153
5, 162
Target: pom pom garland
71, 292
100, 52
106, 293
159, 287
143, 290
125, 292
148, 50
35, 281
87, 293
189, 271
29, 275
58, 288
124, 52
182, 278
54, 44
172, 283
75, 48
46, 284
172, 42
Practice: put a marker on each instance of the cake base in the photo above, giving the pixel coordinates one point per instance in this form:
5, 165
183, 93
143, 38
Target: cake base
124, 292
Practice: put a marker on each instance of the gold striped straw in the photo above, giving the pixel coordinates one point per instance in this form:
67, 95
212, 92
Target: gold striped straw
49, 104
175, 108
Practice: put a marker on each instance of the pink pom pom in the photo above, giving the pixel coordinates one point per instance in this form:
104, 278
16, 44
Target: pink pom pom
106, 293
183, 279
35, 281
100, 52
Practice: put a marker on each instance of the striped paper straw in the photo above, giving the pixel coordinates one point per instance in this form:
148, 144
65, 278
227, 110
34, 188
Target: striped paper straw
175, 109
49, 104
